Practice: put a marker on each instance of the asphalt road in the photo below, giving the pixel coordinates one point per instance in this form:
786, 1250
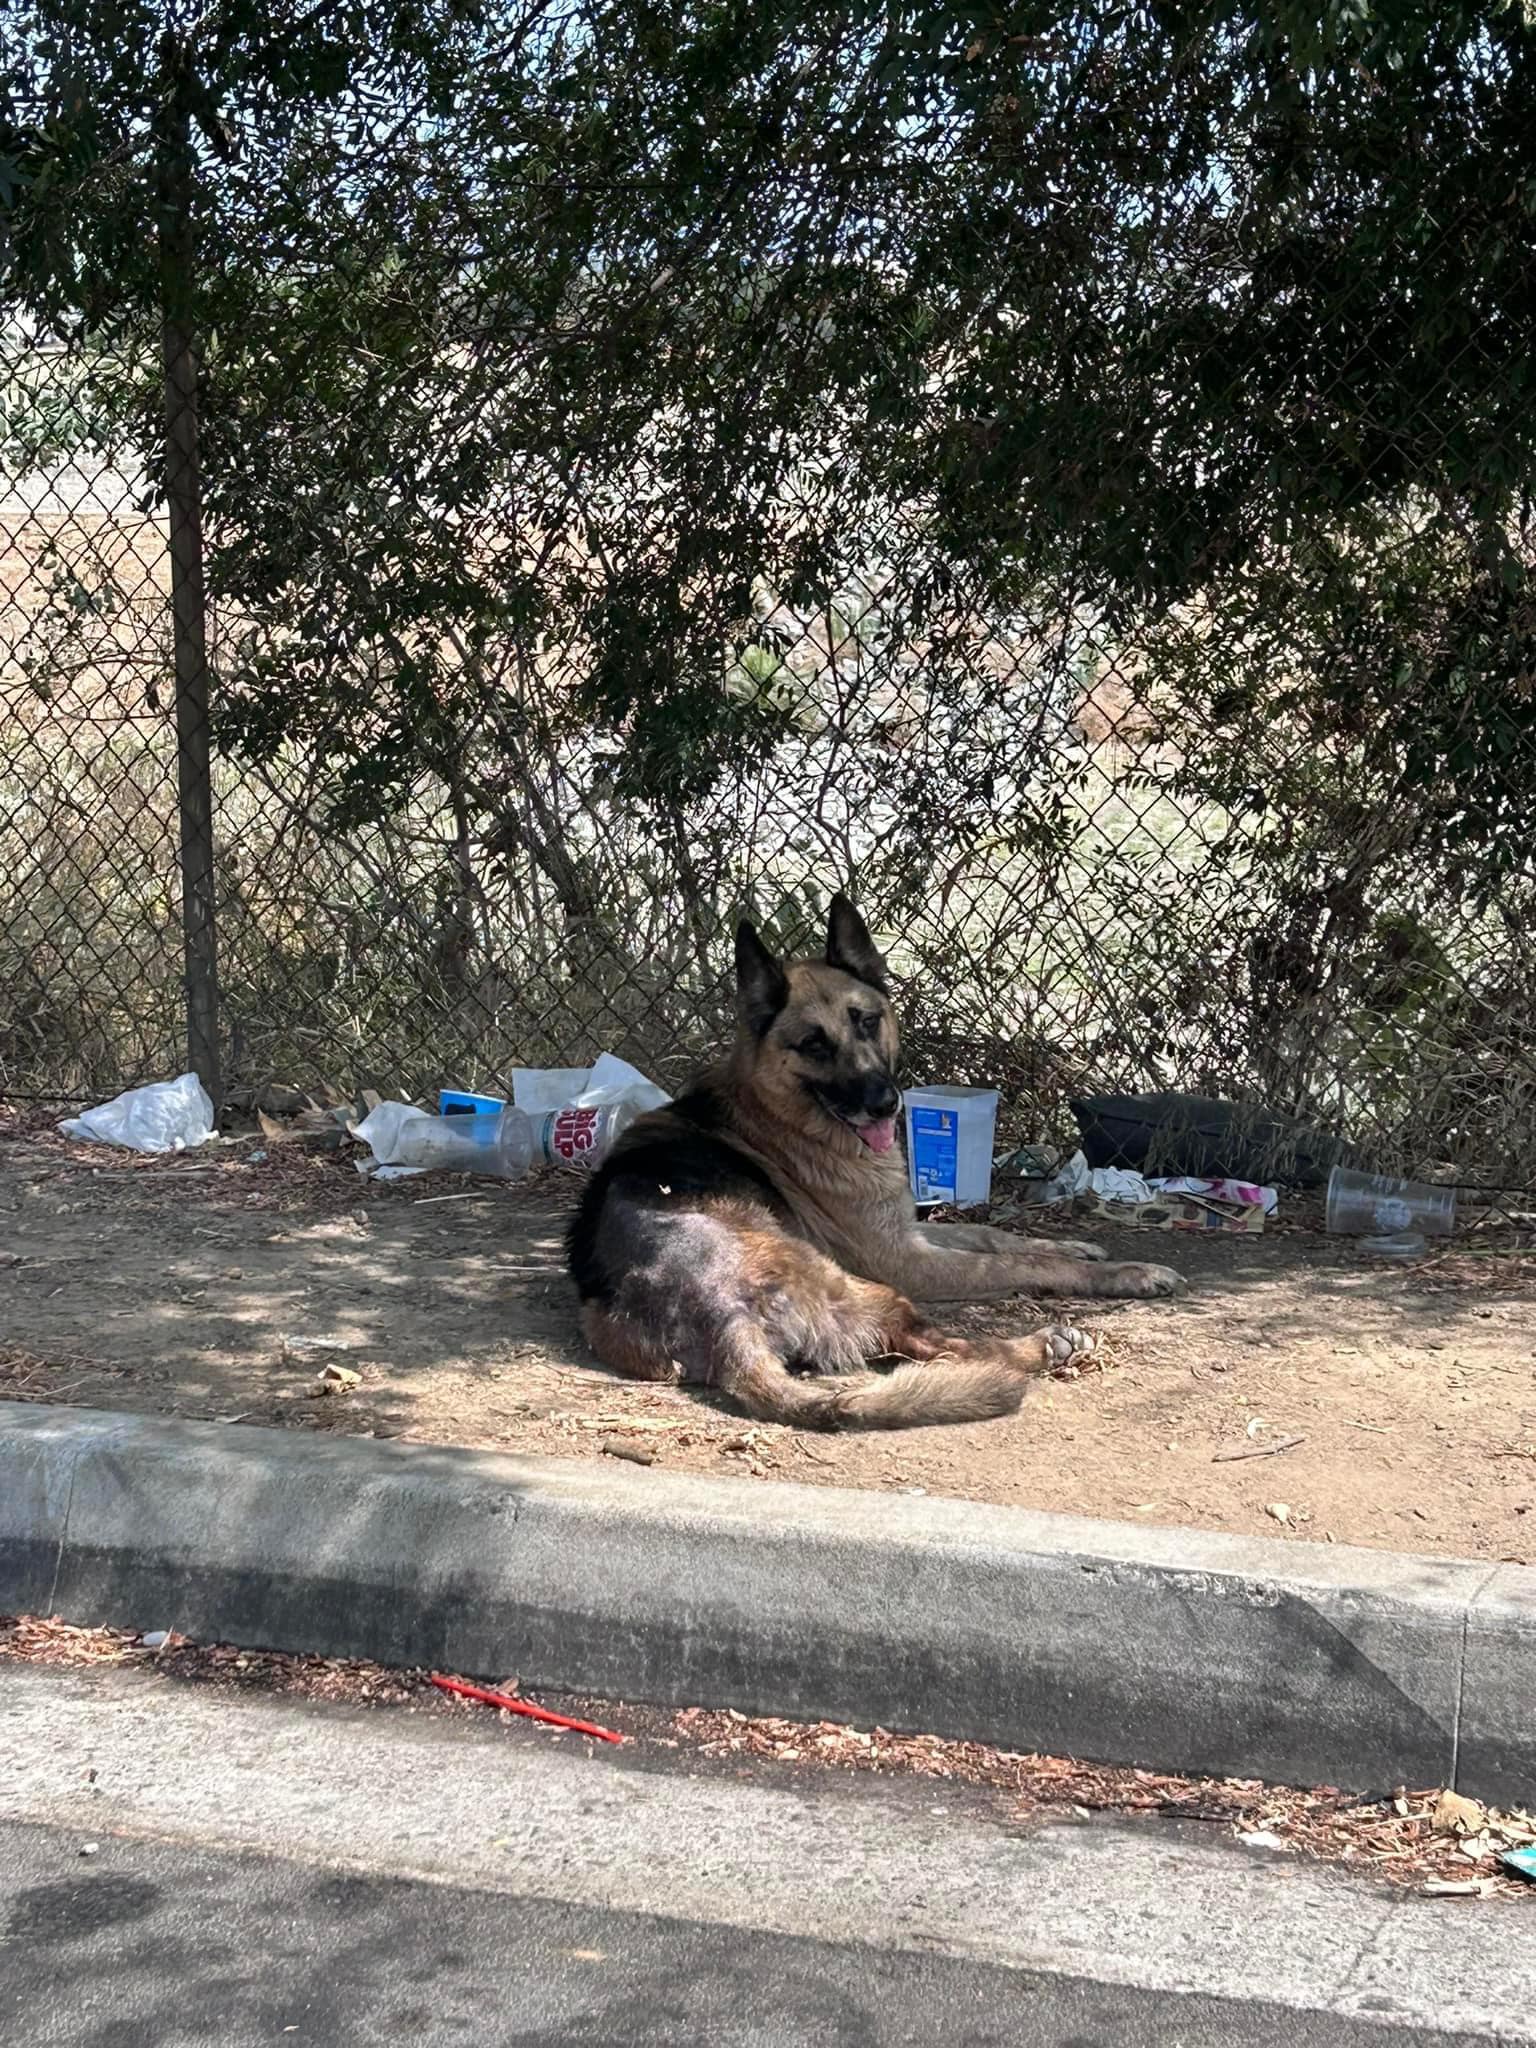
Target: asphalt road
153, 1946
274, 1873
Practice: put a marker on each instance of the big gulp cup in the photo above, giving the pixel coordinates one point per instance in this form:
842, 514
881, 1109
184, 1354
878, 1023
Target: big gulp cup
580, 1138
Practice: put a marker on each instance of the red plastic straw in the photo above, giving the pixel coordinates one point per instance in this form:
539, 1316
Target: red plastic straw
512, 1706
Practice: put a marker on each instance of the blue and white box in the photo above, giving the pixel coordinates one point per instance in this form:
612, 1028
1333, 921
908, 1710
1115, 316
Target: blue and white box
950, 1134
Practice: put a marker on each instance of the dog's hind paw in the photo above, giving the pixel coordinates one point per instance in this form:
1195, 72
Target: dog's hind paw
1061, 1344
1074, 1248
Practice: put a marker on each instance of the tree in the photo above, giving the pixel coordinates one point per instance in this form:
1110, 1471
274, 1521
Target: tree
554, 358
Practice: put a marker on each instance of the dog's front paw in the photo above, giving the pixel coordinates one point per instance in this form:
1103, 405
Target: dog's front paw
1148, 1283
1076, 1248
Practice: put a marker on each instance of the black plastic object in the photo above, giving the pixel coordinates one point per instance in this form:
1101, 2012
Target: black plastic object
1199, 1134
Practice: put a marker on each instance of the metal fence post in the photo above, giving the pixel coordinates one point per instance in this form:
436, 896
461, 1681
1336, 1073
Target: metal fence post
183, 488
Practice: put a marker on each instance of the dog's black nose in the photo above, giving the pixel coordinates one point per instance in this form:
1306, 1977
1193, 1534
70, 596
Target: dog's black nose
881, 1096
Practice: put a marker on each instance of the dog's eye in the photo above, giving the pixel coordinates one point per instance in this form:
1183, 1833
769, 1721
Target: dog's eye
866, 1023
817, 1047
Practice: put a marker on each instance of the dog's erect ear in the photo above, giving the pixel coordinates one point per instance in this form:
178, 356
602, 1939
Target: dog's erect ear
762, 987
850, 947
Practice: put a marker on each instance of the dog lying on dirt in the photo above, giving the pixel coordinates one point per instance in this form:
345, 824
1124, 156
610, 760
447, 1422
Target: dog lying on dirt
758, 1235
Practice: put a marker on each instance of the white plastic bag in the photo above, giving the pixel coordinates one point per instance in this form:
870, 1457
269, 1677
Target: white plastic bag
1119, 1184
541, 1089
537, 1090
380, 1131
1068, 1181
165, 1116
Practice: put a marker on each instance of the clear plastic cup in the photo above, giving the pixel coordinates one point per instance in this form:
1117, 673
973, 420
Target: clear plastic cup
508, 1141
1380, 1205
501, 1144
1407, 1245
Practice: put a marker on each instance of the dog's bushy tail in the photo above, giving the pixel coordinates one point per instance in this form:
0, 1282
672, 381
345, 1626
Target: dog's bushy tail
945, 1390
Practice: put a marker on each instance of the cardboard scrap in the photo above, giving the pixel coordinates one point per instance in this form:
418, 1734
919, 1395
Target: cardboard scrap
1182, 1212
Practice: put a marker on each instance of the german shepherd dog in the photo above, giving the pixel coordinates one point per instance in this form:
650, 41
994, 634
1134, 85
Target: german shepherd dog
758, 1235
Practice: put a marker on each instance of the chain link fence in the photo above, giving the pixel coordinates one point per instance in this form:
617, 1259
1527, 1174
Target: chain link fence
586, 552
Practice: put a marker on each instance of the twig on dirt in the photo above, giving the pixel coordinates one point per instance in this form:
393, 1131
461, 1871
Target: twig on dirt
59, 1361
1376, 1428
806, 1452
1283, 1443
628, 1421
163, 1172
424, 1201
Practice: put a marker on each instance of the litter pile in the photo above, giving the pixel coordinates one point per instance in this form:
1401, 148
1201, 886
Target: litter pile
1121, 1194
558, 1116
1190, 1162
563, 1117
1208, 1153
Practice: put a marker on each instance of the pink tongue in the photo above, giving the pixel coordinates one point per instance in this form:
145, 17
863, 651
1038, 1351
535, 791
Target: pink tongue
879, 1137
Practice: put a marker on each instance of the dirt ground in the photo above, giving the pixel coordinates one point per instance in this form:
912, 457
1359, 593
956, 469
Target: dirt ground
217, 1286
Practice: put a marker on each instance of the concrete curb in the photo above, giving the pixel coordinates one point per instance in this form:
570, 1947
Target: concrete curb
1165, 1647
